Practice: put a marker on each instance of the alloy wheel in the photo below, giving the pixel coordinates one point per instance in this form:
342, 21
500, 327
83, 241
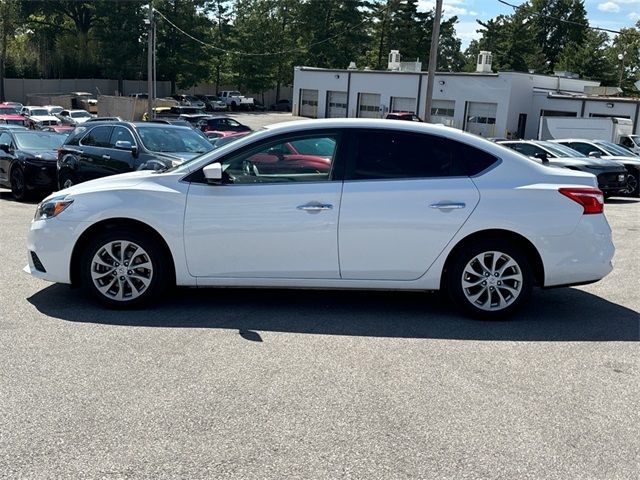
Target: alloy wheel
121, 270
492, 280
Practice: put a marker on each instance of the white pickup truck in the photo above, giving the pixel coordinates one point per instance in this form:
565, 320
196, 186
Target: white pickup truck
235, 100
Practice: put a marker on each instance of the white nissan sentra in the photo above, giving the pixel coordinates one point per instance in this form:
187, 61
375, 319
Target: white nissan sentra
350, 203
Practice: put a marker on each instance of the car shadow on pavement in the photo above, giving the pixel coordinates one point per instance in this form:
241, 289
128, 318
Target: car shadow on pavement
565, 314
622, 201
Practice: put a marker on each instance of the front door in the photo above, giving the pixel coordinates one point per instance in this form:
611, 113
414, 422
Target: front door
93, 147
275, 222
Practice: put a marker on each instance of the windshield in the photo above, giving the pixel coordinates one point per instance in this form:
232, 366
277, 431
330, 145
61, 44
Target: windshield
561, 151
54, 110
614, 149
38, 140
14, 122
39, 112
234, 94
171, 139
7, 111
80, 114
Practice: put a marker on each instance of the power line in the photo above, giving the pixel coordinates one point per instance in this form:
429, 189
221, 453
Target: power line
266, 54
571, 22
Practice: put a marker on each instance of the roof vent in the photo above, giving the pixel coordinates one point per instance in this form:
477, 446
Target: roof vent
394, 61
483, 64
352, 66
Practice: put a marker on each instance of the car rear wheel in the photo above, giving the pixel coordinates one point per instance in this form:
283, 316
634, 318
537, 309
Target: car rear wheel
124, 269
490, 279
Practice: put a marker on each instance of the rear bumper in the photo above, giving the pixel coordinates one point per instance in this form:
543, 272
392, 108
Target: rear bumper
584, 256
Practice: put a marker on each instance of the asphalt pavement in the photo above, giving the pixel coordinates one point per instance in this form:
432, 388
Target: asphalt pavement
261, 384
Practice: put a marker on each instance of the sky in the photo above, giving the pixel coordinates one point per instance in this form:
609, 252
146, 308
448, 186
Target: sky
612, 14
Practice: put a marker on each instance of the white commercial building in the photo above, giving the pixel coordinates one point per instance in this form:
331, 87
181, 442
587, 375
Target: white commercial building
504, 104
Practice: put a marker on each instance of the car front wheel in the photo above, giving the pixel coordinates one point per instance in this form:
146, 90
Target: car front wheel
124, 269
19, 184
490, 279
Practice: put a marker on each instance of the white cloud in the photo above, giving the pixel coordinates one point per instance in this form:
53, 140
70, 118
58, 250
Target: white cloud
609, 7
449, 7
634, 16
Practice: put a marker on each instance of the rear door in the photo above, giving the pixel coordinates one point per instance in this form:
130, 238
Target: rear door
404, 198
5, 158
93, 153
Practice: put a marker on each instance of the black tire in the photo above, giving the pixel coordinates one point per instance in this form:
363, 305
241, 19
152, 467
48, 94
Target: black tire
19, 184
496, 287
128, 280
66, 179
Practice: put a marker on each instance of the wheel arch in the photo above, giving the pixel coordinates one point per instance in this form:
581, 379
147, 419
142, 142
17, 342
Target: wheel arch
109, 224
517, 239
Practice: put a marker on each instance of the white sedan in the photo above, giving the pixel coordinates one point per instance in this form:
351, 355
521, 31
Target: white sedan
350, 203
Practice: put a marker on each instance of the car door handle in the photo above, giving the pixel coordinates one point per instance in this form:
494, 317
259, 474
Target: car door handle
106, 157
448, 205
315, 207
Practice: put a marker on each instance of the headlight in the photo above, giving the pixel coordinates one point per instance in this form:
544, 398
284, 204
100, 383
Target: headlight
52, 207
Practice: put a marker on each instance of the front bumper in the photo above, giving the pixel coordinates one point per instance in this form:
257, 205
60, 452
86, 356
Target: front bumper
52, 242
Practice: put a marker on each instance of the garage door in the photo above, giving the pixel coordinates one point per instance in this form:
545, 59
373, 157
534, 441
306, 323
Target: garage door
481, 118
442, 111
309, 103
369, 105
336, 104
403, 104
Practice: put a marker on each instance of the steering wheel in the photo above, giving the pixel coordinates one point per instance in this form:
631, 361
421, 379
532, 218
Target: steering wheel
249, 168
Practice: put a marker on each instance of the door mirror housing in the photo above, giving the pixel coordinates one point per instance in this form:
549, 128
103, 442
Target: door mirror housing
124, 145
213, 173
5, 147
595, 154
542, 156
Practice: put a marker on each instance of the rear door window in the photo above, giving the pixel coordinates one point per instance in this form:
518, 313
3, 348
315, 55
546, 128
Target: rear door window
97, 137
406, 155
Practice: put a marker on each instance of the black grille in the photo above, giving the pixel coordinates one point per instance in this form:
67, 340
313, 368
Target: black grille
610, 179
37, 263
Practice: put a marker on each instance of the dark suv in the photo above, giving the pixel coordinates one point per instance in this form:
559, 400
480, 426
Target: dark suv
99, 149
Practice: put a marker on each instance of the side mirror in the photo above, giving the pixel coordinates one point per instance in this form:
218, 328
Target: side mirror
5, 147
595, 154
124, 145
542, 156
213, 173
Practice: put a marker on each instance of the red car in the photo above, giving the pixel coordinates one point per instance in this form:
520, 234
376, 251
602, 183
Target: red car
9, 116
300, 156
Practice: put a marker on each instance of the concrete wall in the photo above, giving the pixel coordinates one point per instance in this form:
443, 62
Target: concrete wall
269, 95
18, 89
127, 108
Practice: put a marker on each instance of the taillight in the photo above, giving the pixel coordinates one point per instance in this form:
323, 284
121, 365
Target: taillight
591, 199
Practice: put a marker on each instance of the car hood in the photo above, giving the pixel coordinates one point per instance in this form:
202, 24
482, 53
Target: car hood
43, 118
630, 160
41, 154
113, 182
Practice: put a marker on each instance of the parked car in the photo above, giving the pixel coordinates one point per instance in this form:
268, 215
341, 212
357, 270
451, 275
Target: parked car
53, 109
99, 149
631, 143
408, 116
66, 129
612, 177
8, 126
189, 101
411, 207
222, 124
141, 96
84, 101
103, 119
609, 151
235, 100
282, 105
28, 161
15, 105
74, 117
38, 117
8, 116
212, 103
225, 138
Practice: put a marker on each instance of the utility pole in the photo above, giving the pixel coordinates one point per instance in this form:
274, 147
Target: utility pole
150, 60
433, 61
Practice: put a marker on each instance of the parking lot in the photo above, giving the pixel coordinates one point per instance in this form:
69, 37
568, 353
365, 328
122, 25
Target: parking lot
239, 383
